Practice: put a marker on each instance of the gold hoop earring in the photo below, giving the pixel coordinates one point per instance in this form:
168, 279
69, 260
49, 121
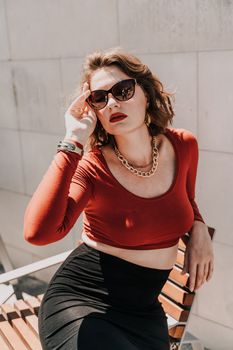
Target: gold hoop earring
147, 119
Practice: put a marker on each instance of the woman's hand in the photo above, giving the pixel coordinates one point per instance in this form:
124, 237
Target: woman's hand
199, 257
80, 119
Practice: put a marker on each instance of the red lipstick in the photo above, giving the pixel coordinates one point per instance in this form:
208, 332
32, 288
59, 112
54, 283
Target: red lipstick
115, 117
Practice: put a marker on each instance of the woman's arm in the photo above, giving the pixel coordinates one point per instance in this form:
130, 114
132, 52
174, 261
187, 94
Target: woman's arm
191, 176
66, 187
58, 201
199, 258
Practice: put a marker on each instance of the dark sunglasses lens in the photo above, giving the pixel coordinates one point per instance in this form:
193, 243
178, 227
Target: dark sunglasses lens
124, 90
97, 99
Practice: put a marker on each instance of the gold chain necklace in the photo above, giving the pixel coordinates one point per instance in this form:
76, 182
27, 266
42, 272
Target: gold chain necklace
155, 157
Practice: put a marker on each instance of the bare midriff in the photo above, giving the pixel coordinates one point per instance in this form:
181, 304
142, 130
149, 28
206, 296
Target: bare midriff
153, 258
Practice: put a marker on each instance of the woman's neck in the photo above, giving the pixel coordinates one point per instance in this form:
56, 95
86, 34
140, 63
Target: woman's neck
136, 147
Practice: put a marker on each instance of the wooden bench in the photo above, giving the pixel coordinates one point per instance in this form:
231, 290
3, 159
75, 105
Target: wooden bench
177, 300
19, 323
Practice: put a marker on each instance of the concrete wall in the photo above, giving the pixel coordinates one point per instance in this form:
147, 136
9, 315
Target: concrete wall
187, 43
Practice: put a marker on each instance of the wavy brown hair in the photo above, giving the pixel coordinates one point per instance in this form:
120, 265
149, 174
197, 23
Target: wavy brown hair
160, 107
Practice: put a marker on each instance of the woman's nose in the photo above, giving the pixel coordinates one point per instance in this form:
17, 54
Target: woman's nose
112, 101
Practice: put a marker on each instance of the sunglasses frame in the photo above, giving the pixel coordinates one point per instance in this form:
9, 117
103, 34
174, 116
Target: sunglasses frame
106, 92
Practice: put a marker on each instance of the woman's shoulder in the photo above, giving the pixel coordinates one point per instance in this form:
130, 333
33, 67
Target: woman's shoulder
182, 135
91, 159
185, 140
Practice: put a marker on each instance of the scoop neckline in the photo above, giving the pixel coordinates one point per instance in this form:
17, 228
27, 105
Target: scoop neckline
167, 133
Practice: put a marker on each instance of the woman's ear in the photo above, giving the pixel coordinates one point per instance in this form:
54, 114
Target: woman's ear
147, 99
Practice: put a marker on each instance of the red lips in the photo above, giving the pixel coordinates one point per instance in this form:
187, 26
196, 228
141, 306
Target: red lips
117, 116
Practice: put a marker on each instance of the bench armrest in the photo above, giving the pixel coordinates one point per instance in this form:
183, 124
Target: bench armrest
34, 267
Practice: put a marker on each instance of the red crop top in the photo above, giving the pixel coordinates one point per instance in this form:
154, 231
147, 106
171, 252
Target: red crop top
112, 214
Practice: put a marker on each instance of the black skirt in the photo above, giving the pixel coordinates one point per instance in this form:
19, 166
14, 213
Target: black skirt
98, 301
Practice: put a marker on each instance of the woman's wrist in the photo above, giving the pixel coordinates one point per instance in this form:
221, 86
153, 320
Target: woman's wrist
198, 226
75, 138
76, 143
198, 222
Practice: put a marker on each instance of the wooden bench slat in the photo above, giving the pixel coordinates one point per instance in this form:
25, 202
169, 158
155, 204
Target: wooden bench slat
178, 294
40, 297
34, 304
180, 258
2, 318
9, 312
28, 337
177, 331
174, 310
32, 322
181, 244
175, 275
3, 344
22, 308
11, 337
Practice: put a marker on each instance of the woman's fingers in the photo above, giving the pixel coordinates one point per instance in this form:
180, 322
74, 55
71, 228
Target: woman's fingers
200, 276
192, 276
206, 271
77, 107
185, 267
196, 270
211, 270
80, 119
199, 251
89, 114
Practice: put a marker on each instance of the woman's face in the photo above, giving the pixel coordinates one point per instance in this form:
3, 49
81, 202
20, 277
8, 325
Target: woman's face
134, 108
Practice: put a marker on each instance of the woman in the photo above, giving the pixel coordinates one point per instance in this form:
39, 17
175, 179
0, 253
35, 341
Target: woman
136, 186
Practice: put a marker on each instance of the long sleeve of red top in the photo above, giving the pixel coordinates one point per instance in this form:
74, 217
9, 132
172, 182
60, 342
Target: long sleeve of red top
191, 177
58, 201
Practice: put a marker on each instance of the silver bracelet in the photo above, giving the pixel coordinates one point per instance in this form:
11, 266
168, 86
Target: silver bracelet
69, 147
